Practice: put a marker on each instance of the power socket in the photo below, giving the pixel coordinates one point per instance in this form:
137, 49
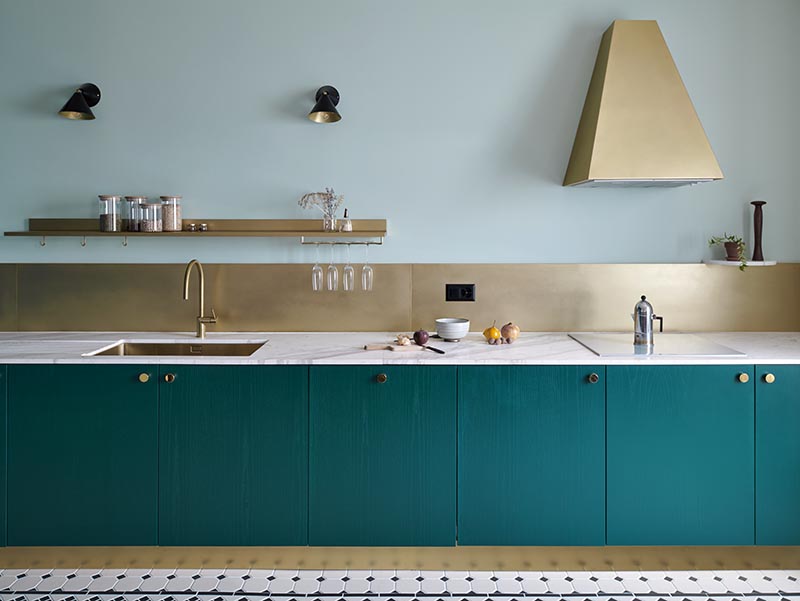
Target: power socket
459, 292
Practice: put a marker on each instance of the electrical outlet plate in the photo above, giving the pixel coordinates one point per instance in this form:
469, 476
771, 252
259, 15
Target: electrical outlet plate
459, 292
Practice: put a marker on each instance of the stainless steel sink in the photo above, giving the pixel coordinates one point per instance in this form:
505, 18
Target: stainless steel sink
181, 349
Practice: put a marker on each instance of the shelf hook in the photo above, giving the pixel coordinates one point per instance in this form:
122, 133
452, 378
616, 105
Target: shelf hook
43, 241
83, 241
124, 241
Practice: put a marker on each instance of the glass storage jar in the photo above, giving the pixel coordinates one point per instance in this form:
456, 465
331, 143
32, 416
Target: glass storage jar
131, 216
110, 217
150, 217
171, 213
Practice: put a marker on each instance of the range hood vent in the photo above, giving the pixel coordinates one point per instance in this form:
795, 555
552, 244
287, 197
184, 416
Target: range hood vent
638, 126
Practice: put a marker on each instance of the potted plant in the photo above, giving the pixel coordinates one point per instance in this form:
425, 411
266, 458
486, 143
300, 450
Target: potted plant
734, 248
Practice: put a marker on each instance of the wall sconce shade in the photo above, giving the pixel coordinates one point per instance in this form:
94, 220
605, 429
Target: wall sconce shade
325, 110
80, 103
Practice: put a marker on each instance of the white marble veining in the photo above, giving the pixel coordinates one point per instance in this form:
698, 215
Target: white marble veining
347, 348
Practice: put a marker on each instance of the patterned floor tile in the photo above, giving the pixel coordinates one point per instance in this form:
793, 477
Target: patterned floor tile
6, 580
457, 586
508, 585
407, 574
235, 572
559, 586
433, 586
129, 584
26, 583
483, 586
357, 586
230, 584
407, 585
77, 584
331, 586
188, 584
381, 586
307, 585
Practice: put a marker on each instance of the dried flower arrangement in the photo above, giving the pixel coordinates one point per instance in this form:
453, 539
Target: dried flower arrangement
327, 202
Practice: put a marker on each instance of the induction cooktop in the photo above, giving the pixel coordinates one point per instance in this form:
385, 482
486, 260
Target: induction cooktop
620, 344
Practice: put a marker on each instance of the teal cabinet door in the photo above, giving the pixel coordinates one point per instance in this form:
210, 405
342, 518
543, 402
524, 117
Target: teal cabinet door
531, 455
383, 456
777, 455
2, 455
680, 446
82, 455
233, 455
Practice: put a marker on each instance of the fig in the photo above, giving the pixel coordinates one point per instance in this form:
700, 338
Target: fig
421, 337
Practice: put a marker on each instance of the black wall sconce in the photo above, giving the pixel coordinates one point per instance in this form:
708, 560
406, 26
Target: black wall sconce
80, 103
325, 110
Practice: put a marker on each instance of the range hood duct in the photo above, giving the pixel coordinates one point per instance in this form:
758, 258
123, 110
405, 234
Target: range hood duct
638, 126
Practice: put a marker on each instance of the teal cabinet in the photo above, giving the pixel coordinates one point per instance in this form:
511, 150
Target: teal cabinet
777, 455
382, 455
82, 455
531, 455
680, 455
233, 455
2, 455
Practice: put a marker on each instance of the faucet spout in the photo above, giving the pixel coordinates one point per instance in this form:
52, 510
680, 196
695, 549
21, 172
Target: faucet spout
202, 320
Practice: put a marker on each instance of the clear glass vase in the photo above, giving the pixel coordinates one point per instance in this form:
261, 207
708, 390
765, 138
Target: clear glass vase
329, 224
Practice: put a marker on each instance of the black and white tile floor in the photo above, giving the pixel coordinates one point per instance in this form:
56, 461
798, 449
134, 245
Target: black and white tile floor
383, 585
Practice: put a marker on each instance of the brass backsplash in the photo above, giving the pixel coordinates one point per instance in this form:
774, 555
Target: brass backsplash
278, 297
8, 297
691, 297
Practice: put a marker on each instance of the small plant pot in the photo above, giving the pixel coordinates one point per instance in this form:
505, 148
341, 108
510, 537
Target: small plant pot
732, 250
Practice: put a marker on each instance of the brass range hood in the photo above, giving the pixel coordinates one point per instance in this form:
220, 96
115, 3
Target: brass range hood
638, 126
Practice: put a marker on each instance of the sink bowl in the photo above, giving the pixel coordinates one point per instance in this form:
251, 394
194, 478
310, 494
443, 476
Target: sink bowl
181, 349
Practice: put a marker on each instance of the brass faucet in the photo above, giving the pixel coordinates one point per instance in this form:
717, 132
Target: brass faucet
202, 320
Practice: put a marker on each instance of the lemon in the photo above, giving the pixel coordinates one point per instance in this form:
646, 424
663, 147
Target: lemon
491, 333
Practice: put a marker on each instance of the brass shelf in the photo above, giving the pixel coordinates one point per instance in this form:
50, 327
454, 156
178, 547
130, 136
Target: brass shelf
263, 228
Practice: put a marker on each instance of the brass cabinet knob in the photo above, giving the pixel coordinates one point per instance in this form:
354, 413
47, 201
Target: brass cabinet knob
144, 378
743, 378
593, 378
169, 378
381, 378
769, 378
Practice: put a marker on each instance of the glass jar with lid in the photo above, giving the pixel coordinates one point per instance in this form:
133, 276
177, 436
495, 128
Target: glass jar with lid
131, 216
150, 217
110, 217
171, 213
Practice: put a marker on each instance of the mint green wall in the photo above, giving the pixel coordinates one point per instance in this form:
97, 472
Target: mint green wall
458, 121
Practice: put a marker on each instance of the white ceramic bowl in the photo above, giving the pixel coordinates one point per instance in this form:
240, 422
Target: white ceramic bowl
452, 328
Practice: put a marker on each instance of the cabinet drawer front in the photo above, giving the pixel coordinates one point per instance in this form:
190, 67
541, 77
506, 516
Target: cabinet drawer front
531, 455
82, 455
383, 455
680, 455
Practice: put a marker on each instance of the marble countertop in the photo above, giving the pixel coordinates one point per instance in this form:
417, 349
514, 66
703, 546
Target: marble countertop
347, 348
